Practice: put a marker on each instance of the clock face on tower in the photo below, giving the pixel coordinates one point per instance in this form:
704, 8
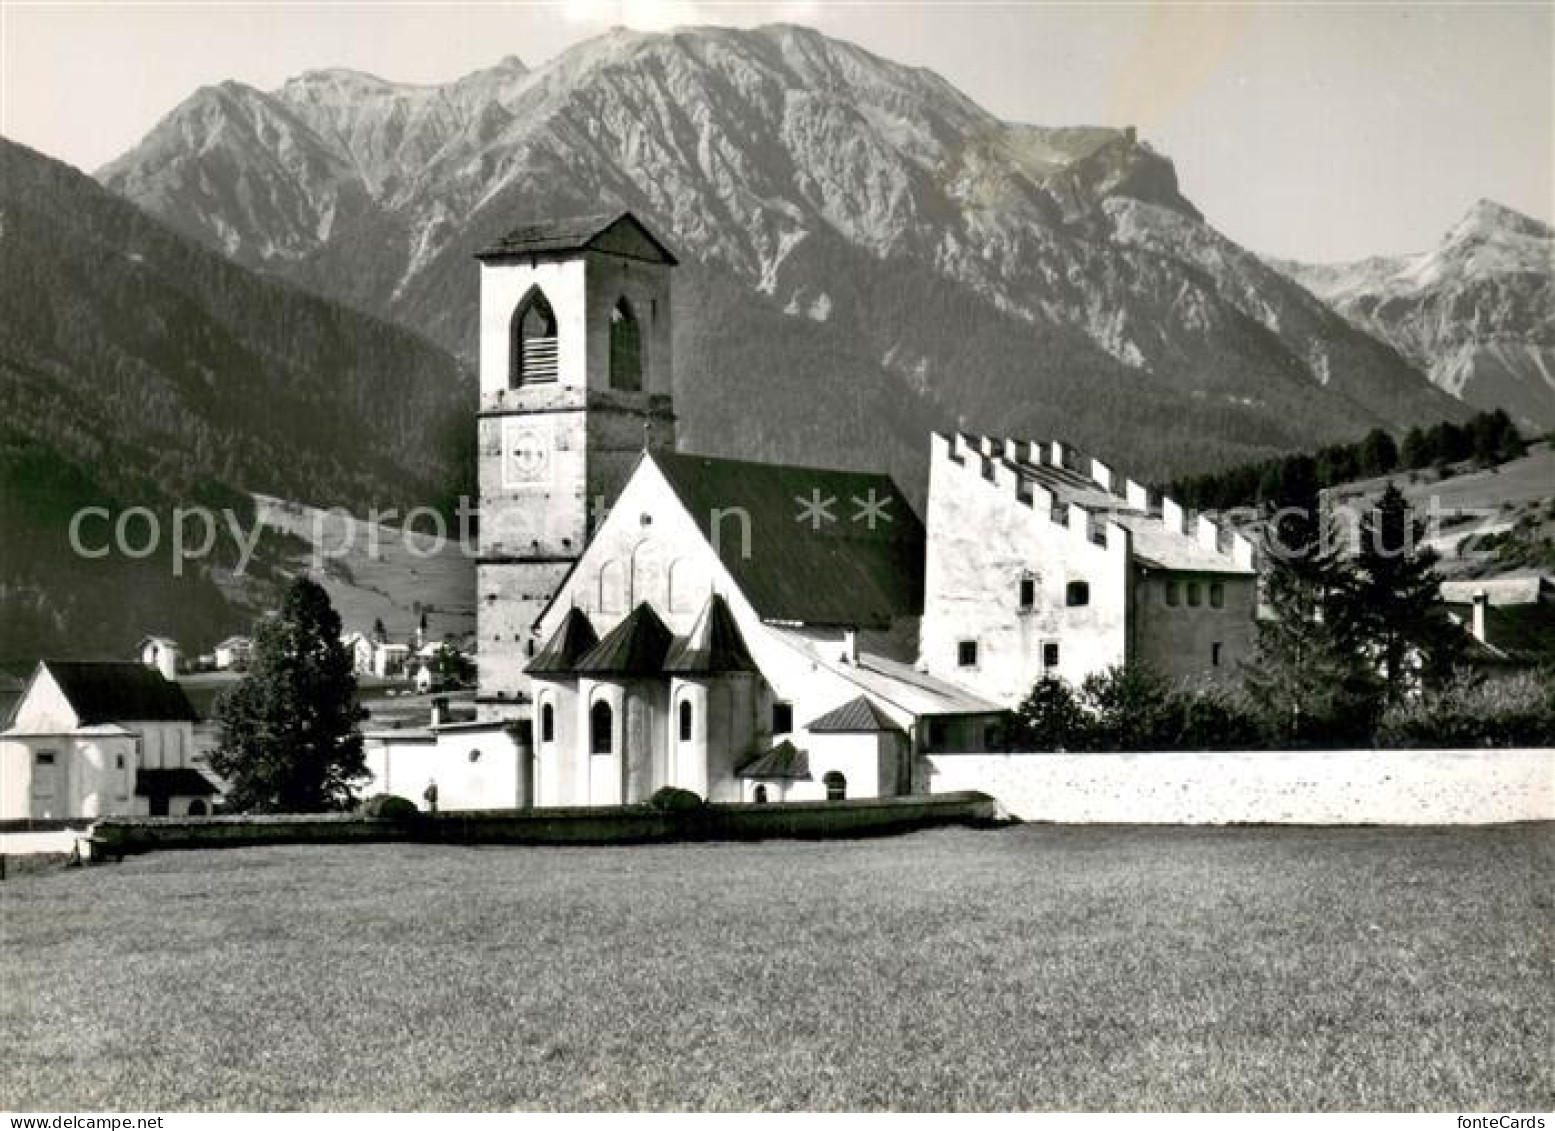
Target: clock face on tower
527, 447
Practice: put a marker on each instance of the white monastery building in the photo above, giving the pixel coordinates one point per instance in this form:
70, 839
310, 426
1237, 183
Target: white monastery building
101, 739
762, 632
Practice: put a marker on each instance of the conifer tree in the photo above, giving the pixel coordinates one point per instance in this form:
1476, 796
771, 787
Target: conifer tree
1395, 598
1310, 677
289, 739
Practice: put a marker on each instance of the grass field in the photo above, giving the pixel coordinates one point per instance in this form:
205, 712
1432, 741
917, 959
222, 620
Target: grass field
1033, 967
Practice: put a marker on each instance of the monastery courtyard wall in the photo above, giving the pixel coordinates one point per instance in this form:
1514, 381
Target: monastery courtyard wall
1309, 787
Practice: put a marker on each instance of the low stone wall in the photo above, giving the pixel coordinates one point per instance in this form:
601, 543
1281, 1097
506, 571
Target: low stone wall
1310, 787
634, 824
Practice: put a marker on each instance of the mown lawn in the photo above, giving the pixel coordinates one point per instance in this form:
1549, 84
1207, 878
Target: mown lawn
1034, 967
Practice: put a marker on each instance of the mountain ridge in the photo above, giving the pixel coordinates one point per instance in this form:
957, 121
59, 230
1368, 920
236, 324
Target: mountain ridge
865, 221
1476, 312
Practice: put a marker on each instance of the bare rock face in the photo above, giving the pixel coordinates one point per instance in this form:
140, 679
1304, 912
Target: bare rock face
866, 252
1476, 313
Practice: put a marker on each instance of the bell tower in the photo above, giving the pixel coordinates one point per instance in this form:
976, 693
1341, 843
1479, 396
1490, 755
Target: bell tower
574, 384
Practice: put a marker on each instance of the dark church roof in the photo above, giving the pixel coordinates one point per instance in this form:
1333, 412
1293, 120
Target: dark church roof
570, 643
713, 647
574, 233
814, 556
114, 691
635, 647
783, 761
856, 716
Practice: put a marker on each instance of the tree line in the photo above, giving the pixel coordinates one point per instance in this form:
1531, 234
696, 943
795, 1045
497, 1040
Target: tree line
1487, 439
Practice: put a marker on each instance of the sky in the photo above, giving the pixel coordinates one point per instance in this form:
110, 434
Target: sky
1317, 131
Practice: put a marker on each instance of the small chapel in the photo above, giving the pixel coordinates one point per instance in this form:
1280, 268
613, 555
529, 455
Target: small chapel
760, 632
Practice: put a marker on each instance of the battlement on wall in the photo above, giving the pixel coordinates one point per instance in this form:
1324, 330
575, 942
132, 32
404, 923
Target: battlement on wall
1000, 461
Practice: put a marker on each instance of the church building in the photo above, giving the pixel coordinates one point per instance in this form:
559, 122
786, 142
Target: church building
764, 632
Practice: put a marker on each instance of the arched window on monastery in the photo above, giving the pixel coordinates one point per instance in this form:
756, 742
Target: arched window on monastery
685, 720
836, 786
760, 796
612, 587
626, 348
532, 342
601, 728
548, 723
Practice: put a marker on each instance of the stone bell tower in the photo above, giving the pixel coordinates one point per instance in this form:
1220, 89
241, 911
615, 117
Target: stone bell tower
575, 382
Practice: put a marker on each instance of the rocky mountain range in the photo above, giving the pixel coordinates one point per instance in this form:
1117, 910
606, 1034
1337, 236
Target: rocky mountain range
866, 252
1476, 312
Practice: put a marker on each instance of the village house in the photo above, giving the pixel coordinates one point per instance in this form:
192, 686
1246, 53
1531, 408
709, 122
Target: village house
1510, 621
162, 653
232, 652
94, 739
765, 632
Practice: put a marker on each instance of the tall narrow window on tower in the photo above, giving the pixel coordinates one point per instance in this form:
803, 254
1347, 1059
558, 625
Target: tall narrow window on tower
533, 342
626, 349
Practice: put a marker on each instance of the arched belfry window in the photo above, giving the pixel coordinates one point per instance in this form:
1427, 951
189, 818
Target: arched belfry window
532, 342
626, 348
601, 728
685, 720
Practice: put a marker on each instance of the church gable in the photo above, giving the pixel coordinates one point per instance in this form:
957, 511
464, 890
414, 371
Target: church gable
647, 549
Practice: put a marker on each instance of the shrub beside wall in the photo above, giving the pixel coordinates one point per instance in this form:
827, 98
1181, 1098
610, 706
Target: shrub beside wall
1517, 711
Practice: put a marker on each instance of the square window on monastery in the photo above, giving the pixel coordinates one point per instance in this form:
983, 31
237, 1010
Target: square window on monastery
1173, 593
966, 654
1214, 654
782, 718
1077, 593
1195, 595
1028, 593
1050, 655
1217, 595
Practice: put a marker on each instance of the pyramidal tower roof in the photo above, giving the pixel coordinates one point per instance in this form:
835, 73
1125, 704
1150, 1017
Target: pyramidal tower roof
635, 647
713, 647
569, 644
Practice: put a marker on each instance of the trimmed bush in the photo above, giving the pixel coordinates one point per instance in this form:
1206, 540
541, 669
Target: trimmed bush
1471, 711
388, 807
672, 800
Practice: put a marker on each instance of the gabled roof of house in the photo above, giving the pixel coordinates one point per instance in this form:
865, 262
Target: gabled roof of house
572, 233
825, 546
183, 781
785, 761
714, 645
857, 716
571, 641
1521, 634
115, 691
635, 647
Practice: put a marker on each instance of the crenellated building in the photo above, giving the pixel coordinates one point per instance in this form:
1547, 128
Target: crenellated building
1044, 562
764, 632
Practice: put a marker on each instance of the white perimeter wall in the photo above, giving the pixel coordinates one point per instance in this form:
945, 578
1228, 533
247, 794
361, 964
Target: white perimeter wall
1329, 787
